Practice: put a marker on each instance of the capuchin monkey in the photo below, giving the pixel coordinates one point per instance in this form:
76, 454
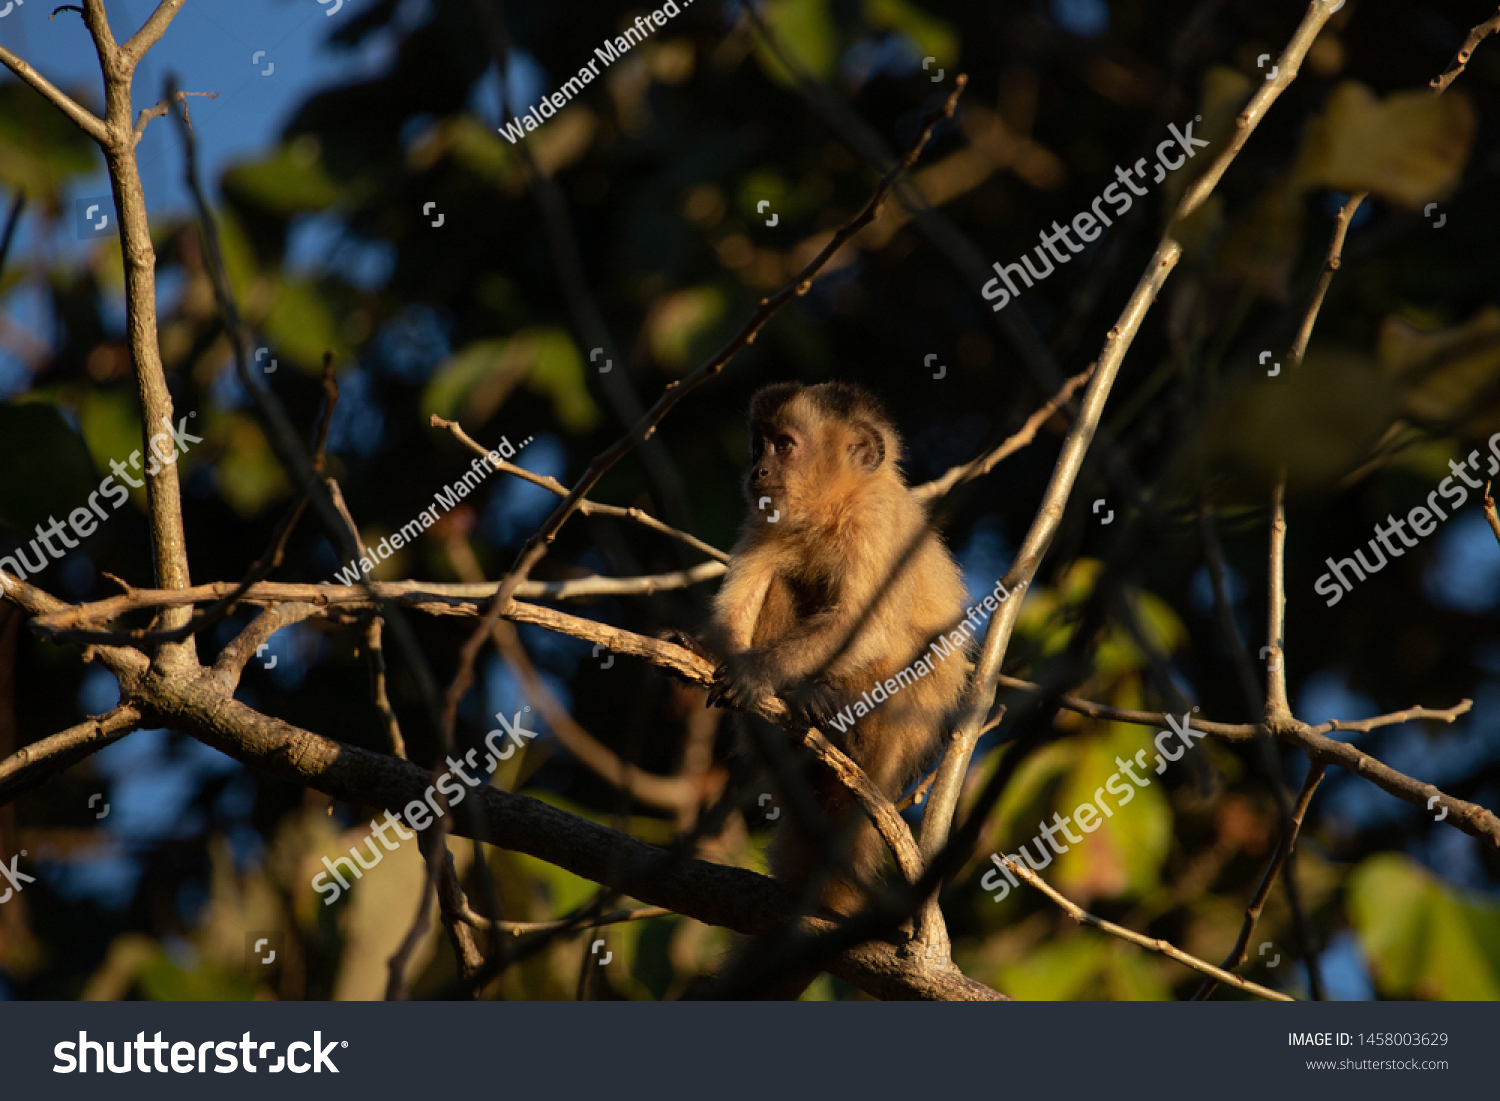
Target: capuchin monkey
819, 608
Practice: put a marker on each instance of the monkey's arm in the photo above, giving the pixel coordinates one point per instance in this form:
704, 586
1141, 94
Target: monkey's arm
866, 623
739, 600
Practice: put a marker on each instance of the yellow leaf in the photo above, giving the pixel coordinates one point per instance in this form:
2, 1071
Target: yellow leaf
678, 323
1408, 148
1442, 374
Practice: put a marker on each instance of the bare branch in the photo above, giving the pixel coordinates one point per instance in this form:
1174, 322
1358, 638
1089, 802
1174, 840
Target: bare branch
1277, 708
454, 909
232, 658
165, 108
375, 654
981, 466
1154, 944
150, 32
585, 506
943, 801
84, 119
1473, 819
1241, 949
1440, 83
119, 660
40, 761
1364, 726
614, 917
76, 624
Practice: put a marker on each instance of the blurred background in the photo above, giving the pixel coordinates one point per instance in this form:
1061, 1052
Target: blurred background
369, 206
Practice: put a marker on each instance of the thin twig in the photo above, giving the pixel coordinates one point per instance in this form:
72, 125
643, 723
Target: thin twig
966, 472
375, 654
614, 917
1439, 84
585, 506
1154, 944
164, 108
1241, 949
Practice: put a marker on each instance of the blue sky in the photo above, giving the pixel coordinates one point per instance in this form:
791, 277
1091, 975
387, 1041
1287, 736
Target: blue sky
209, 46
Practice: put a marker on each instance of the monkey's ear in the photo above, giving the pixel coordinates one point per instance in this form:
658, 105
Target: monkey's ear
867, 445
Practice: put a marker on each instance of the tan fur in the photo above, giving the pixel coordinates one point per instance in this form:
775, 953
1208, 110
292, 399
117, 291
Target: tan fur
796, 587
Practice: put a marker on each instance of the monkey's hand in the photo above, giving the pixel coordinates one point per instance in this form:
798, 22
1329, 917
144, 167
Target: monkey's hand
815, 702
742, 681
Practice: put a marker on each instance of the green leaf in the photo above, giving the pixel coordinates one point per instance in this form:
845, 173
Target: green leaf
474, 383
290, 181
301, 325
932, 36
249, 475
1422, 939
806, 32
39, 148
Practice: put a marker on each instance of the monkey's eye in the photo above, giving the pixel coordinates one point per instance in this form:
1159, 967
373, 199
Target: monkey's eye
784, 444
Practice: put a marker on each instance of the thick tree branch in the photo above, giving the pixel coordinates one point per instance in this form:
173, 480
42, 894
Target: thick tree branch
194, 702
38, 762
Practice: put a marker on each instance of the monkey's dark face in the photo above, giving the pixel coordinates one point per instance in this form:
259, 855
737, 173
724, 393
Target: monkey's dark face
811, 452
778, 453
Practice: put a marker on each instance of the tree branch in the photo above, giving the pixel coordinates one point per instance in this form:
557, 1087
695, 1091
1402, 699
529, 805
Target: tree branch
40, 761
1154, 944
943, 802
194, 702
967, 472
1284, 847
1439, 84
84, 119
585, 506
151, 31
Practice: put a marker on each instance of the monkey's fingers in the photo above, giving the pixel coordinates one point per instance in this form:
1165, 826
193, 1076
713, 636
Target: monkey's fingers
817, 704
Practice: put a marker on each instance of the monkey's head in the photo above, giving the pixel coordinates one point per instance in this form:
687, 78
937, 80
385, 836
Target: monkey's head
811, 446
